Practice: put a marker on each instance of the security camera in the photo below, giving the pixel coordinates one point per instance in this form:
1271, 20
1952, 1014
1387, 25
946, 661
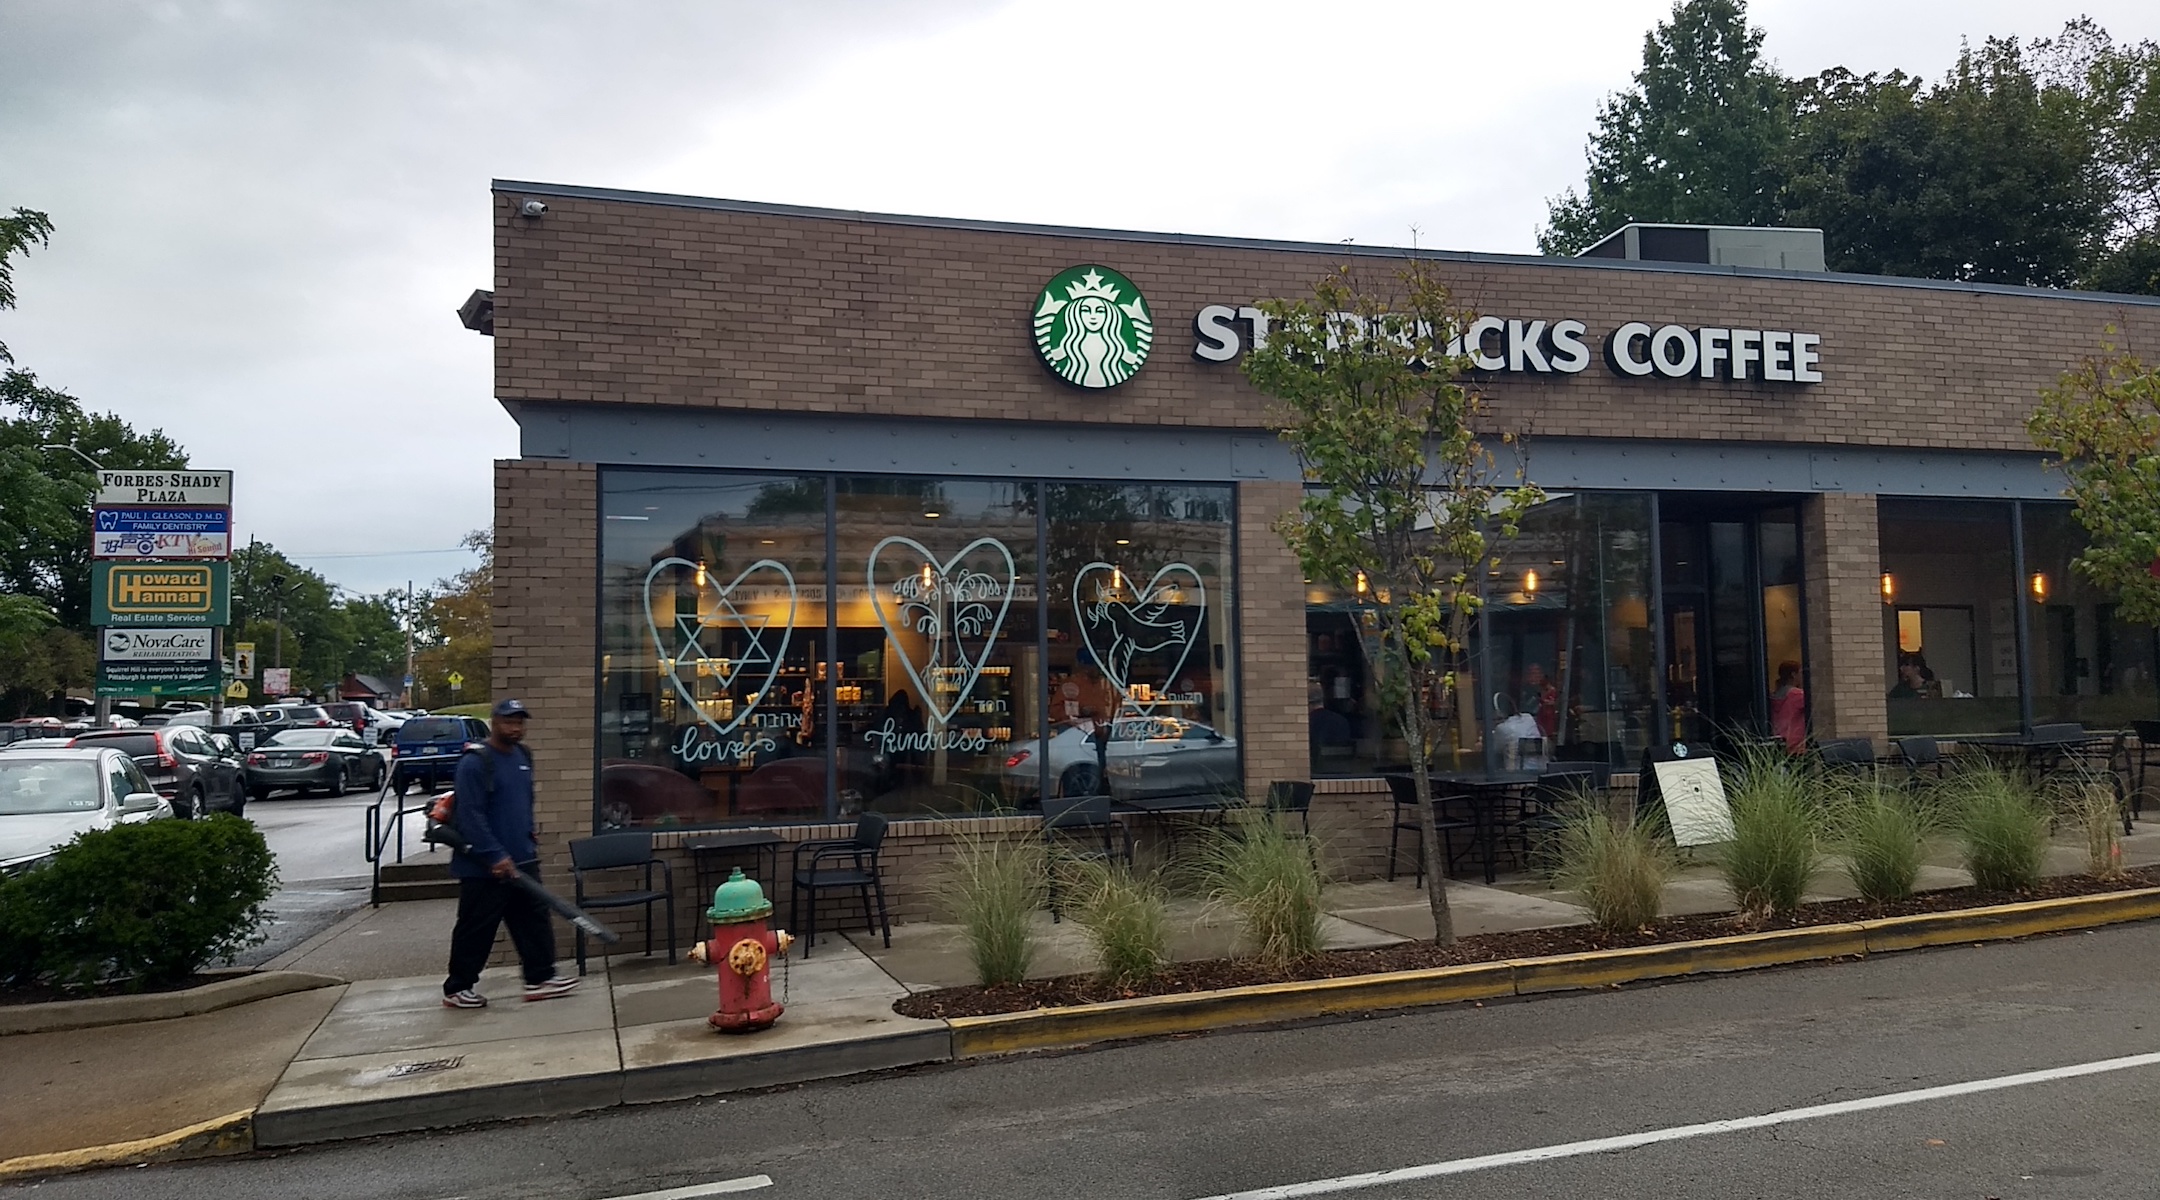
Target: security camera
531, 208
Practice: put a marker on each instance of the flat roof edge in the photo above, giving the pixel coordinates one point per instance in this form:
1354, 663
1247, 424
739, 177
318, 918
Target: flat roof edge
1352, 249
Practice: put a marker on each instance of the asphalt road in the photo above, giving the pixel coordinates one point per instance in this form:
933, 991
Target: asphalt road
322, 864
1205, 1116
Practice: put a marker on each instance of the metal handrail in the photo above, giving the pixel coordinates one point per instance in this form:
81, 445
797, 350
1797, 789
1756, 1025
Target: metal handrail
379, 835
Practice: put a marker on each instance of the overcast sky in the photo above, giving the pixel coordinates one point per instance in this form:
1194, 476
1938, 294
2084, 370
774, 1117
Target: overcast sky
267, 212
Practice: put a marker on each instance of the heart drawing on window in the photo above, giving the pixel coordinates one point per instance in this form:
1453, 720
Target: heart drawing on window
695, 641
1121, 620
941, 617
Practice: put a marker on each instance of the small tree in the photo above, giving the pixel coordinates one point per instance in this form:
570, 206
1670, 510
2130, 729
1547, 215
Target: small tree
1401, 490
2102, 422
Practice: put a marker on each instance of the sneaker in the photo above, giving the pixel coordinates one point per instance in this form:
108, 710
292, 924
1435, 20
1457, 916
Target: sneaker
559, 986
465, 999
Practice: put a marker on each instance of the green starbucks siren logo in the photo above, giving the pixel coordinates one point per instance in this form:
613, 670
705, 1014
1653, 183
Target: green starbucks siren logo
1092, 327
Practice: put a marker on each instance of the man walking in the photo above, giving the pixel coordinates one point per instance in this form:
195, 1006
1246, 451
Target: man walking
494, 813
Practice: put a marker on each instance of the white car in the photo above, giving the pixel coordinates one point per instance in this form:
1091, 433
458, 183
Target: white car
1147, 756
47, 796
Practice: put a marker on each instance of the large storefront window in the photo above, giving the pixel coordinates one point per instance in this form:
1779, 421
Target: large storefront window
712, 649
1572, 658
978, 633
1140, 595
1950, 595
2087, 666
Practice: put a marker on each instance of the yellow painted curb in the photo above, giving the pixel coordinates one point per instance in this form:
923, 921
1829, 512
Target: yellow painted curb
1190, 1012
2001, 921
1741, 952
233, 1133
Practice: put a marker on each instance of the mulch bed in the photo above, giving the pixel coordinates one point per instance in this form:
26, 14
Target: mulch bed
46, 994
1216, 973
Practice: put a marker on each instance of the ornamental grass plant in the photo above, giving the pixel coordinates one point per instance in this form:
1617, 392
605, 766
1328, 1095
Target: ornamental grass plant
1617, 868
991, 888
1266, 874
1125, 915
2089, 808
2002, 826
1778, 815
1882, 830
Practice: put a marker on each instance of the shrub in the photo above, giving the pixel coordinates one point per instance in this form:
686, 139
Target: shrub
1883, 834
2089, 807
145, 904
1777, 826
2002, 825
1126, 917
991, 888
1617, 868
1266, 874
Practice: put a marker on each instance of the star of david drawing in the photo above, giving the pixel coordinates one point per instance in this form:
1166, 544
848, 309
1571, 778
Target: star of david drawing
754, 653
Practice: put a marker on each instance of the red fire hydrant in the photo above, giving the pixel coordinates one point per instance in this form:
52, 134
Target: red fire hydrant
742, 947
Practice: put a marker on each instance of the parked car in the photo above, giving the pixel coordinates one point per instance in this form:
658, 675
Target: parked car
1147, 756
295, 716
185, 765
427, 750
50, 793
373, 725
308, 759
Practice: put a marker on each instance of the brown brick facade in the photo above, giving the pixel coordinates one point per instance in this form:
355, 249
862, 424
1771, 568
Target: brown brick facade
612, 302
1271, 639
1844, 618
547, 546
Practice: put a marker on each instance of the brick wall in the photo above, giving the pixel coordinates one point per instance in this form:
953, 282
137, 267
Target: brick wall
547, 532
616, 302
1846, 688
1271, 640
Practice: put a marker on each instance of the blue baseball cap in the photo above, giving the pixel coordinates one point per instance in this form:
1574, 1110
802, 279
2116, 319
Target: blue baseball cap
510, 708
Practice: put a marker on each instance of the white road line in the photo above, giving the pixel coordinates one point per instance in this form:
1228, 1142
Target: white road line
1486, 1162
748, 1183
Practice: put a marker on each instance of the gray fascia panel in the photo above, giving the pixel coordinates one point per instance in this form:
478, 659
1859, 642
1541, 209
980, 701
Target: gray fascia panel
664, 437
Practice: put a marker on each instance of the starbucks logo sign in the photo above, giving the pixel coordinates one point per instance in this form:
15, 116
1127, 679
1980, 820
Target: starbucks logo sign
1092, 327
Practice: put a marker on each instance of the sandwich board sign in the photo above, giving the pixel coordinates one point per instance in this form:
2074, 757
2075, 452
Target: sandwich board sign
1695, 804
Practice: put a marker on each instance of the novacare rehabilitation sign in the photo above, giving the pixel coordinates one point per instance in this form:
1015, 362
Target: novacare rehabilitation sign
1092, 327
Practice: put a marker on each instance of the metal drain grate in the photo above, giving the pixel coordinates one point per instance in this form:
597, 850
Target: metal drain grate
428, 1066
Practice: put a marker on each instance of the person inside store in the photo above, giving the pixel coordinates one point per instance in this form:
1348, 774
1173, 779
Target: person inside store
1788, 708
1915, 680
1329, 730
1541, 699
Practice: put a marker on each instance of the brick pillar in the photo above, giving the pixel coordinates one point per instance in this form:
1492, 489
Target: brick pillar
1846, 688
547, 546
1271, 642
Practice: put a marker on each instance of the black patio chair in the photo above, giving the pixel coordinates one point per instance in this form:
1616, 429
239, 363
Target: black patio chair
1403, 790
1847, 754
621, 851
1286, 796
1082, 827
861, 875
1920, 754
2148, 737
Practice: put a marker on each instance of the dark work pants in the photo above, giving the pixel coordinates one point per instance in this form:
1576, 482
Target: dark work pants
483, 906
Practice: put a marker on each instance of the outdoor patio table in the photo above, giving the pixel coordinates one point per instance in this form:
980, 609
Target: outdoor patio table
1486, 791
1205, 809
705, 849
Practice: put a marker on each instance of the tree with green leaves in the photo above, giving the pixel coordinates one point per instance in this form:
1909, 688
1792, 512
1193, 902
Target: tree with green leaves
1699, 139
1402, 491
2101, 421
19, 231
1990, 176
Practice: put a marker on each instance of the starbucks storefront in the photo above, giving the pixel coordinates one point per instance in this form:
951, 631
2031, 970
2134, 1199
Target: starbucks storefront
821, 512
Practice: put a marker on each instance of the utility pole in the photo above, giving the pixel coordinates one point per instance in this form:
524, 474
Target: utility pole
411, 616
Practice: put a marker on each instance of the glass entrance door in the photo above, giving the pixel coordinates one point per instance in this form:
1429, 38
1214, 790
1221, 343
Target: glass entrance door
1732, 621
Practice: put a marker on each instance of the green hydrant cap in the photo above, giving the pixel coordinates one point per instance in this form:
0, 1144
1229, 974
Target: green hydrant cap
739, 899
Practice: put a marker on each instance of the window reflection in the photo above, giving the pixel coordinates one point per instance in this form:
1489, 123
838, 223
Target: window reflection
2088, 666
1950, 649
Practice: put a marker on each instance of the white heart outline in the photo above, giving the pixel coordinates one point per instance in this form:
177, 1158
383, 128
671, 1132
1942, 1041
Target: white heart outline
1103, 662
787, 631
943, 713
